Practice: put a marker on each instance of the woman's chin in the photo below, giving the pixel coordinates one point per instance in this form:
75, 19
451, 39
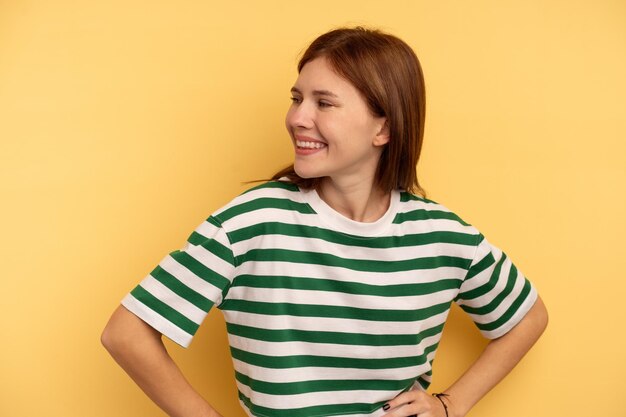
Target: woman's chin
306, 172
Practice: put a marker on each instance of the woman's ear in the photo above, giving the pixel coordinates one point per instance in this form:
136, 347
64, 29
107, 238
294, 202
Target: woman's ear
382, 137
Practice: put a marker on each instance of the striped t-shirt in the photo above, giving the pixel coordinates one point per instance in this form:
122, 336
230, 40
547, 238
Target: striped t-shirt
327, 316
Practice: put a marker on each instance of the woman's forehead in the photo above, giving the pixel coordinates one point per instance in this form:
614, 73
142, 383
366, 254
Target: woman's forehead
319, 77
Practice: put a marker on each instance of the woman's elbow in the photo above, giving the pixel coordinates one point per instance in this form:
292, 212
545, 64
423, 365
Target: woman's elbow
125, 331
110, 337
121, 330
539, 314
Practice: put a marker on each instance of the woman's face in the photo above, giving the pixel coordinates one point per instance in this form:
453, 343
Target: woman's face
332, 129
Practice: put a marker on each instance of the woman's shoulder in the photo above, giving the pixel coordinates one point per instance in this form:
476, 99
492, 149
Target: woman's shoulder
416, 207
277, 186
268, 196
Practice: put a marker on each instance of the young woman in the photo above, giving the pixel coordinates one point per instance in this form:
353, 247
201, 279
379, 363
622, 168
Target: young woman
335, 278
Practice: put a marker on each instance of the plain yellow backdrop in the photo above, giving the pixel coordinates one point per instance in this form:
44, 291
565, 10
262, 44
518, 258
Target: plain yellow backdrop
124, 124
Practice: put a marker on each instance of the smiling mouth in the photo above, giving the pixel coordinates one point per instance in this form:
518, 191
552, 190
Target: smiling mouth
309, 145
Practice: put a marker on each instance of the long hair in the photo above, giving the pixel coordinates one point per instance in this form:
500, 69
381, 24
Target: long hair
386, 71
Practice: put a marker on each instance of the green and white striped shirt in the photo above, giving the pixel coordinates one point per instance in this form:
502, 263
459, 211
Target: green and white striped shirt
327, 316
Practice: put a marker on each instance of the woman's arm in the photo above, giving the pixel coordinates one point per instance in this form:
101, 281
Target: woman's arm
139, 350
496, 361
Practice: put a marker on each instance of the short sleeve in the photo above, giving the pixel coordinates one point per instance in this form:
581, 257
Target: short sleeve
494, 293
178, 294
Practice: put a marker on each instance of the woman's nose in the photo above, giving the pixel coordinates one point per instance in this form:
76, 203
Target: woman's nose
300, 115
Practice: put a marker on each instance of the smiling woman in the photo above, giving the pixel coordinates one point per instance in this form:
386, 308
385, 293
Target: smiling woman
335, 133
385, 74
335, 278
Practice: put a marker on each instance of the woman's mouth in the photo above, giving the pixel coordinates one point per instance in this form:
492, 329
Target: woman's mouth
308, 147
302, 144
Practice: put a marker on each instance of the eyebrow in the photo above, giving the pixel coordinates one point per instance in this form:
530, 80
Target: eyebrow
316, 92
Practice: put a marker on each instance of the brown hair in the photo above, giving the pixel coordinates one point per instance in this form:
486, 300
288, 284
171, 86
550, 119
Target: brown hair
388, 74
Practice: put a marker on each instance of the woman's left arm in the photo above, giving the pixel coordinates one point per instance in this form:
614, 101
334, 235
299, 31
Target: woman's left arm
495, 362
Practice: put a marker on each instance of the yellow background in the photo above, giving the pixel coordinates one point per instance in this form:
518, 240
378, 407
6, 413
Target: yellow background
124, 124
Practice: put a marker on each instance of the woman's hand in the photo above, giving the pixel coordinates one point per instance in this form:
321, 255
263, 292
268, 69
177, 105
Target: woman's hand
418, 403
495, 362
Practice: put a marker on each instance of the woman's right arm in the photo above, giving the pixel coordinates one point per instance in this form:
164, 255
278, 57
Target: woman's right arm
139, 350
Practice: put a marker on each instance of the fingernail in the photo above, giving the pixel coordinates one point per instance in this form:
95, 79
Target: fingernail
386, 407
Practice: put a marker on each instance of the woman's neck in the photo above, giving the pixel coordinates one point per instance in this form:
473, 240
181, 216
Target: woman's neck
358, 200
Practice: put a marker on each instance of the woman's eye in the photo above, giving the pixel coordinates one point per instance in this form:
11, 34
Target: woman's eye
295, 100
324, 104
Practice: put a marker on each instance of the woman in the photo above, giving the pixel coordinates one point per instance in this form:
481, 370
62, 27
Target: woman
335, 280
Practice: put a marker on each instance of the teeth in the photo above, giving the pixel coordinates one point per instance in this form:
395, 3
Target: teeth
310, 145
